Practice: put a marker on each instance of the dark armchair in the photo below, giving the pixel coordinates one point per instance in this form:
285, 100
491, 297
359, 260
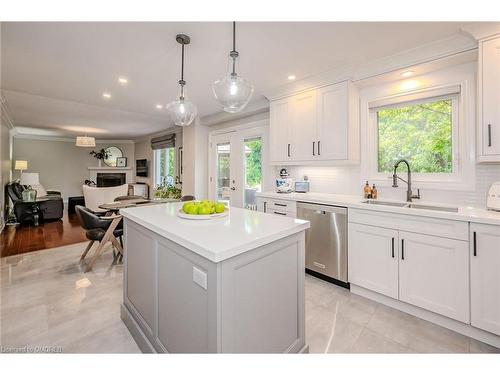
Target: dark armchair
51, 208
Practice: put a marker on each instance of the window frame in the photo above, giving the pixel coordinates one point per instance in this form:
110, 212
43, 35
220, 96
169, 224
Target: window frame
401, 102
460, 80
157, 173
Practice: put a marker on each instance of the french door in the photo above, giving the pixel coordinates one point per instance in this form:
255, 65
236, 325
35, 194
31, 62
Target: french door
236, 167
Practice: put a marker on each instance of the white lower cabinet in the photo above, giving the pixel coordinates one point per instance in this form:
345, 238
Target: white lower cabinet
277, 207
433, 274
373, 258
422, 269
485, 277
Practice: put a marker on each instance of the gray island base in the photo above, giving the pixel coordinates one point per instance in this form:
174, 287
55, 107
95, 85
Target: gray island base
178, 301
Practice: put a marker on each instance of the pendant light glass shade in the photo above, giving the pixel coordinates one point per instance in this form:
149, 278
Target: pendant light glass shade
182, 111
233, 91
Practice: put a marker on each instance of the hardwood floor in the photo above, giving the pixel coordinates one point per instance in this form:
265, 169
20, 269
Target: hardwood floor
26, 238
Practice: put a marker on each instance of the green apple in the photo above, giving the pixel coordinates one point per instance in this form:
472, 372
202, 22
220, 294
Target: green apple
193, 210
219, 208
204, 210
187, 206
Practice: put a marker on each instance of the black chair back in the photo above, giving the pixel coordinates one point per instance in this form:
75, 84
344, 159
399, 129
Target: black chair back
15, 191
88, 220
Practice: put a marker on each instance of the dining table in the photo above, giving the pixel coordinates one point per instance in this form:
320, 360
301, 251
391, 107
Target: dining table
113, 214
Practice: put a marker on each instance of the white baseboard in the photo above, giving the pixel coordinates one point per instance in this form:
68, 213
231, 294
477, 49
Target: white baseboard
440, 320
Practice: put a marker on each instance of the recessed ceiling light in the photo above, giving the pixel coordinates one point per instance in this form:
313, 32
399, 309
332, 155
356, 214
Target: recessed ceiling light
407, 73
159, 106
291, 77
409, 84
122, 80
106, 95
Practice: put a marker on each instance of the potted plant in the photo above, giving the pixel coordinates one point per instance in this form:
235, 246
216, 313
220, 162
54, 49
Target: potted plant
100, 155
167, 189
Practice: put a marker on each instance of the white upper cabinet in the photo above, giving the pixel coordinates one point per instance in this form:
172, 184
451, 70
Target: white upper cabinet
489, 101
280, 132
485, 277
333, 115
303, 125
316, 126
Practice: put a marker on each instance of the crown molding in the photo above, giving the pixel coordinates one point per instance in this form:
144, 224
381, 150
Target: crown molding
439, 49
5, 113
258, 106
482, 30
17, 135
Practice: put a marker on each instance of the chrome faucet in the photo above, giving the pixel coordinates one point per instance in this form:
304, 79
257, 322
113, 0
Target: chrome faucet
395, 177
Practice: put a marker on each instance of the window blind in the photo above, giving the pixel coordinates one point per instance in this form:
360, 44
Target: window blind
165, 141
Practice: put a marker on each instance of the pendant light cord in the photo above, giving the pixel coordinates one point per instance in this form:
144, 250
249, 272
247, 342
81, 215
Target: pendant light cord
234, 54
234, 36
182, 82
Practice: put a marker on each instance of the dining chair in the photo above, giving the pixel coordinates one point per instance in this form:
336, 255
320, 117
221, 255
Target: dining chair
96, 196
101, 229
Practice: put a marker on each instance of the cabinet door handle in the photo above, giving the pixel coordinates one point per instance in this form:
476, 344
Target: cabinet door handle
474, 244
402, 249
319, 147
279, 213
489, 135
393, 247
265, 206
280, 204
288, 149
314, 144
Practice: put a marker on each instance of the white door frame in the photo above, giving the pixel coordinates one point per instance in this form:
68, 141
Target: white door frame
253, 129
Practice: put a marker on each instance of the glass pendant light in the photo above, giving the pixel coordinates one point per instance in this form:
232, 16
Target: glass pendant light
182, 111
233, 91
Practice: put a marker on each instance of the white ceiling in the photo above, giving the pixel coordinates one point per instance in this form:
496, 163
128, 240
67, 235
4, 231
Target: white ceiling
54, 74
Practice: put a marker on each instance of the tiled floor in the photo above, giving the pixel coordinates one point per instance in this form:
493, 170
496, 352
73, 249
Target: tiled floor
46, 300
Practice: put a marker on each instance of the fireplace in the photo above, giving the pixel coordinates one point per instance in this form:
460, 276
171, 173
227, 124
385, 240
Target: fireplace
110, 179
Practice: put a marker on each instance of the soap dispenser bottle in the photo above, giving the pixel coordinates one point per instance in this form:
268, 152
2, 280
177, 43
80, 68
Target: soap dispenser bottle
374, 192
367, 191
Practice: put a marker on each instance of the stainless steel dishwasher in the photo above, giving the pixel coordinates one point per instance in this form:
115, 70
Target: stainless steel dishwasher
326, 240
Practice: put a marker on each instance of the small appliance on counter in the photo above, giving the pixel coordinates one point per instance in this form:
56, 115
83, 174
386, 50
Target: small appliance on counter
302, 186
284, 184
493, 202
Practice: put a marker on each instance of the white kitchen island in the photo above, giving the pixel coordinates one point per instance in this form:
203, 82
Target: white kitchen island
228, 285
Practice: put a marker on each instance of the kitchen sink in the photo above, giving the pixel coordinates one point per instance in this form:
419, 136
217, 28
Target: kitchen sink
417, 206
385, 203
433, 208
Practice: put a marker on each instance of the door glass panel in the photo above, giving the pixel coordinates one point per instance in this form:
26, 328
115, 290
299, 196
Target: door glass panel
253, 171
223, 172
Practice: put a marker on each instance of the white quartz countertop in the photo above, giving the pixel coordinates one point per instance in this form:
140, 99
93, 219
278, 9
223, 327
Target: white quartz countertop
472, 214
216, 239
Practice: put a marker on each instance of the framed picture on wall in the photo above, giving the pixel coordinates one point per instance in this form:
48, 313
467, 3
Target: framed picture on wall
121, 161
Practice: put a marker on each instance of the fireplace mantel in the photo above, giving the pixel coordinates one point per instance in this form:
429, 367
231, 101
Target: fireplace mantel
127, 170
109, 169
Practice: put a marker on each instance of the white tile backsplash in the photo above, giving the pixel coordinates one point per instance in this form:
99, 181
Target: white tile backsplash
347, 180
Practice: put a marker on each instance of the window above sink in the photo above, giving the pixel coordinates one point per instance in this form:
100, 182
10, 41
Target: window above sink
429, 123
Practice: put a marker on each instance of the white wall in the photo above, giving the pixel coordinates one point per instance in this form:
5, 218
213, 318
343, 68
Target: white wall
348, 180
6, 164
195, 163
60, 164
